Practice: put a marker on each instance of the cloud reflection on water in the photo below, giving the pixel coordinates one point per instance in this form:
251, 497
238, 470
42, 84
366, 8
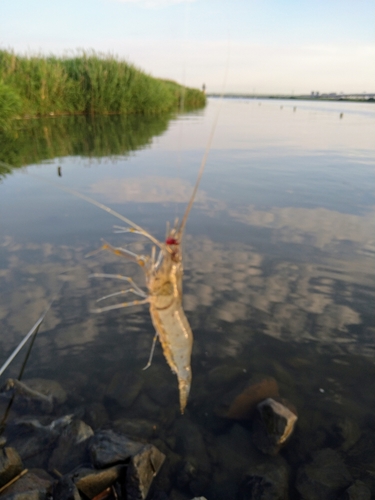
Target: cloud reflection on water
149, 189
225, 285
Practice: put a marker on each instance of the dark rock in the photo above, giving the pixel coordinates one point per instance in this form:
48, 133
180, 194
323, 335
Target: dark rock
54, 426
96, 415
190, 444
91, 482
65, 489
324, 478
362, 453
265, 481
222, 375
346, 433
10, 465
143, 467
273, 424
25, 398
109, 448
34, 394
2, 441
137, 427
168, 473
30, 487
232, 453
241, 402
34, 443
49, 388
28, 495
71, 449
124, 388
357, 491
195, 469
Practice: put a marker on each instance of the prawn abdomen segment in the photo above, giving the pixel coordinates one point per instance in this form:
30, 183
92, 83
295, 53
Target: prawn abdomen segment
176, 338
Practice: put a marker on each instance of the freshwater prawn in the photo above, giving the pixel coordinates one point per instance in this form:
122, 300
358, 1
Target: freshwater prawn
163, 270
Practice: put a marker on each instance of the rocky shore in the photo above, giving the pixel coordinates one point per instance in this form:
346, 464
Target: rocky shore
252, 444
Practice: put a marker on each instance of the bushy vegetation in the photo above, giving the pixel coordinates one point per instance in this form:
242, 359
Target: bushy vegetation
10, 106
89, 83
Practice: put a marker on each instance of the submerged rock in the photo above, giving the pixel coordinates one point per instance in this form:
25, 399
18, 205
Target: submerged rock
142, 469
241, 402
273, 424
324, 478
28, 487
34, 394
65, 489
48, 388
109, 448
26, 398
137, 427
54, 427
346, 432
71, 449
357, 491
96, 415
34, 440
92, 482
266, 481
124, 388
10, 465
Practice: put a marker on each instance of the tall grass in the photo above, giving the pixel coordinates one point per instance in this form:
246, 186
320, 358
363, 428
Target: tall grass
89, 83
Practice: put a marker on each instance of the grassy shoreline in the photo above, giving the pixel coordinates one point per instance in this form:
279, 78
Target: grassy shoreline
89, 83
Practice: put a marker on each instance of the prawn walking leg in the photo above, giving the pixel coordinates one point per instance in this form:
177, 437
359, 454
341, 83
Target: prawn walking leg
152, 352
121, 305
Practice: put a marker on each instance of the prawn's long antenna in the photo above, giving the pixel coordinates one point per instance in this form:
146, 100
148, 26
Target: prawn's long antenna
105, 208
205, 156
200, 173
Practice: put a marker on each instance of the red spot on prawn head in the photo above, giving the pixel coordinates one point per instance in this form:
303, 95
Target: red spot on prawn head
171, 241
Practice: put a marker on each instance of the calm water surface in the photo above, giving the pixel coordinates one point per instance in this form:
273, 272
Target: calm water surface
279, 264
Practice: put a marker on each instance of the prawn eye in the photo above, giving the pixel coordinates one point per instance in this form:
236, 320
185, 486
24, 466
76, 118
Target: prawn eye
171, 241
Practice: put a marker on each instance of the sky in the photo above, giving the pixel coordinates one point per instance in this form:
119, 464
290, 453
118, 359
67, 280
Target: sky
235, 46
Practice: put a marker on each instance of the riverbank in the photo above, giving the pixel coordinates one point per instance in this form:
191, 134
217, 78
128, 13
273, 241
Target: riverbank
88, 83
320, 97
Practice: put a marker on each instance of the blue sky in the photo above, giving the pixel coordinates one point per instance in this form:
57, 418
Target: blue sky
253, 45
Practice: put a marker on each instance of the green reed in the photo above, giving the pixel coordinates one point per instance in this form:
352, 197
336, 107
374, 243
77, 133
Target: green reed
89, 83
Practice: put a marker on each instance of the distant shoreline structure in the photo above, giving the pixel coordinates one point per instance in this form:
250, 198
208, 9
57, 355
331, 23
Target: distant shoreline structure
314, 96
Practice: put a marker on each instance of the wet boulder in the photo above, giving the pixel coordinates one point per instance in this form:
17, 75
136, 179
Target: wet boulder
273, 424
10, 465
65, 489
267, 480
110, 448
34, 440
143, 467
29, 487
240, 403
92, 482
124, 388
96, 415
137, 427
195, 468
357, 491
324, 478
34, 394
71, 449
345, 432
